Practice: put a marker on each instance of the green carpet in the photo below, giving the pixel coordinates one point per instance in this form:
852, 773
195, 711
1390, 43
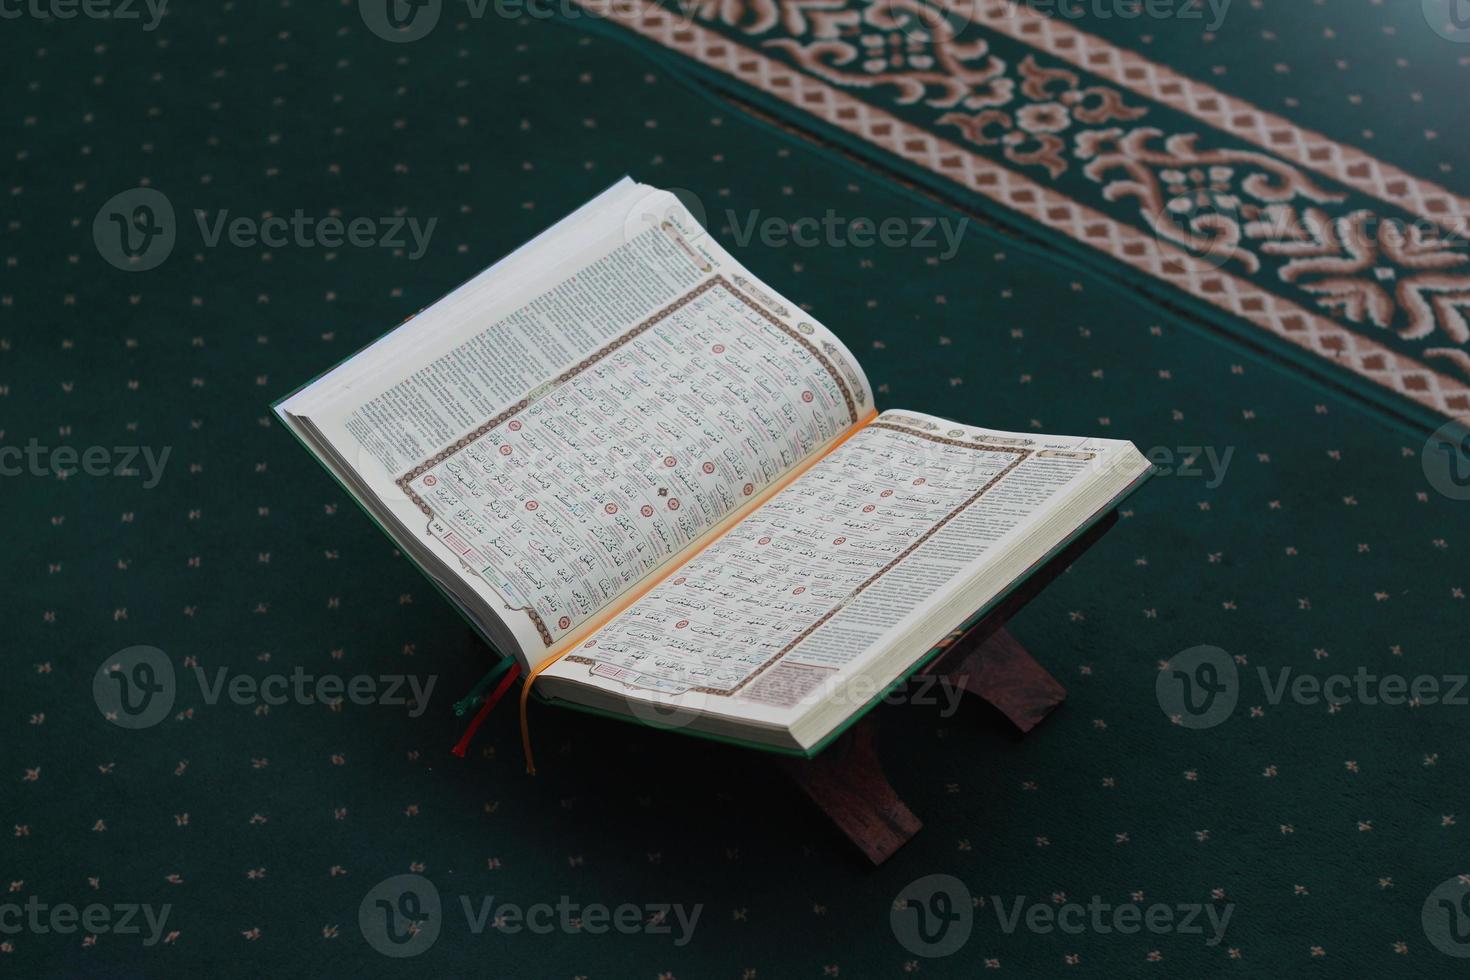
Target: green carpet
1322, 547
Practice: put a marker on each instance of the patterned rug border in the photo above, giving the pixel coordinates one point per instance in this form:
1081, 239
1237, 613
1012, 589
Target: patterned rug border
1161, 260
1276, 135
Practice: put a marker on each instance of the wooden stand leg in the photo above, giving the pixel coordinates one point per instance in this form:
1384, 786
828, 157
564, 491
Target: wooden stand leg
847, 782
1001, 671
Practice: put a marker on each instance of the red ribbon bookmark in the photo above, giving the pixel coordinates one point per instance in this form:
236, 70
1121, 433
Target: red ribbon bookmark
484, 712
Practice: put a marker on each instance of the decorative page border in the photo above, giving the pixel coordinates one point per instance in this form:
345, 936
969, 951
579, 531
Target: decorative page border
1021, 456
1142, 251
403, 482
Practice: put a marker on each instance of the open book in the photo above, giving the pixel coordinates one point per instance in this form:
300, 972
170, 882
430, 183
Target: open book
667, 492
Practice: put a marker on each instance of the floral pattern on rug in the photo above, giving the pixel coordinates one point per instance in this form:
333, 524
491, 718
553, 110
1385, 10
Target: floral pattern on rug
1379, 270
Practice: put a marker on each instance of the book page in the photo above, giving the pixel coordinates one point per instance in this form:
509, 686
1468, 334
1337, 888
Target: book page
775, 612
559, 452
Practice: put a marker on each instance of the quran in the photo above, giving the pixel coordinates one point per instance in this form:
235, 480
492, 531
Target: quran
667, 491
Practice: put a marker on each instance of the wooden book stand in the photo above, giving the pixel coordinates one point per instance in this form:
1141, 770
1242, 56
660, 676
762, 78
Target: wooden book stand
847, 780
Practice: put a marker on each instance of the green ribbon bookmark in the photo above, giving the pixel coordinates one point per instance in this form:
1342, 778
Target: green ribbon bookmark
477, 693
